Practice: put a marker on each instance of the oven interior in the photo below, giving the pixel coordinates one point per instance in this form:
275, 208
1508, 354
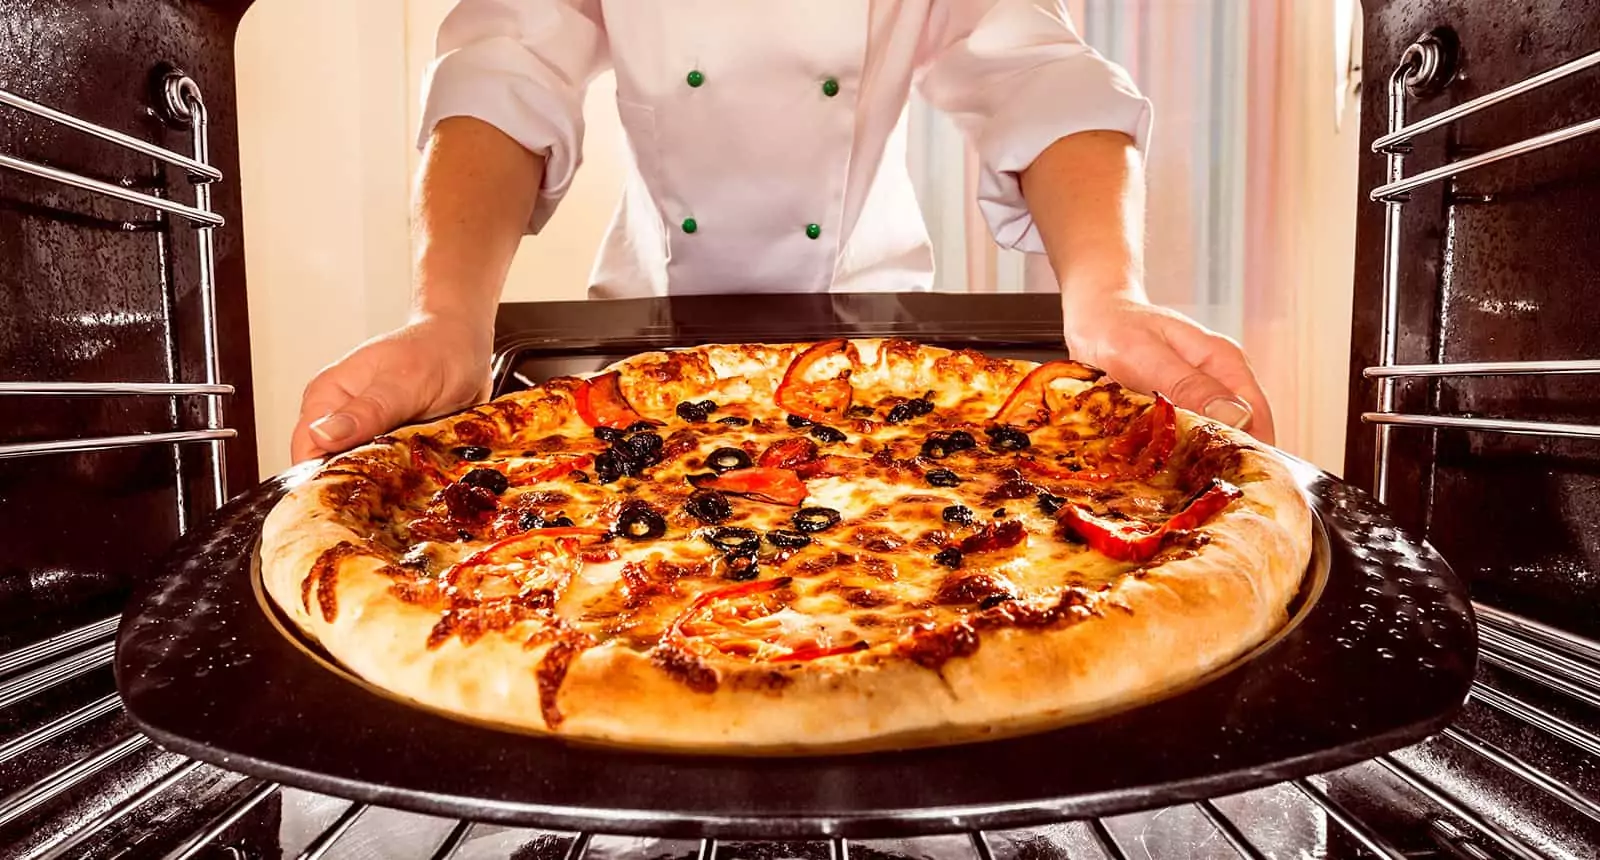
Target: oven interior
125, 391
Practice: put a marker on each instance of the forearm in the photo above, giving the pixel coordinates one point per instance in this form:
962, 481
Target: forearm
475, 192
1086, 194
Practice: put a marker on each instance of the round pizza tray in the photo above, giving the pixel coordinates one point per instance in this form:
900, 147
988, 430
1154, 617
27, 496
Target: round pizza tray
1380, 652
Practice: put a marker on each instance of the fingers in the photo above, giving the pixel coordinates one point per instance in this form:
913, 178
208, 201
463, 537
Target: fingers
1221, 360
380, 407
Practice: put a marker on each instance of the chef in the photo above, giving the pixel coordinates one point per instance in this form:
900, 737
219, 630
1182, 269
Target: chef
758, 134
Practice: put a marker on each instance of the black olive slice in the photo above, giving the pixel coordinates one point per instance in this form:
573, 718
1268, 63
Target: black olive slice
922, 405
942, 444
797, 422
728, 459
532, 520
960, 515
562, 521
489, 479
735, 540
949, 557
578, 476
1005, 438
999, 513
708, 506
859, 411
943, 478
608, 435
813, 520
900, 414
696, 412
787, 538
994, 600
824, 433
1051, 503
644, 448
639, 427
733, 421
607, 466
638, 521
471, 452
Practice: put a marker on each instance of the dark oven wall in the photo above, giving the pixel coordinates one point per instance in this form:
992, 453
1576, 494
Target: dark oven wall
1500, 265
84, 281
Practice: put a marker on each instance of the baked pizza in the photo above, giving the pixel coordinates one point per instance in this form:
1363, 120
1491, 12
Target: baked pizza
845, 545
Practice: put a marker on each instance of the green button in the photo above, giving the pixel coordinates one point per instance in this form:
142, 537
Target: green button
689, 225
830, 88
813, 231
696, 78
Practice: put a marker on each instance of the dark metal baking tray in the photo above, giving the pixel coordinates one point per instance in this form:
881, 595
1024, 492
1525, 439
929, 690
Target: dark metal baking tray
1379, 655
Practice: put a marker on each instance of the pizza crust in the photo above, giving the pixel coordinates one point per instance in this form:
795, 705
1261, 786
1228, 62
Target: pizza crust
1148, 636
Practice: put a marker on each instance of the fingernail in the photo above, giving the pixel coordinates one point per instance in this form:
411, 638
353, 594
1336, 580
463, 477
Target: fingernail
1234, 413
333, 429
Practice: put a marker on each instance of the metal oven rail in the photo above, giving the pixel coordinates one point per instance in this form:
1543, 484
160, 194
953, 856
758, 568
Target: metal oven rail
184, 104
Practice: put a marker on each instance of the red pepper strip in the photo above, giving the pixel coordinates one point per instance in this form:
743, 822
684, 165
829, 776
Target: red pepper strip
780, 486
421, 462
817, 653
482, 556
1152, 435
830, 465
1133, 541
1085, 475
754, 586
601, 404
1026, 406
821, 401
788, 453
562, 469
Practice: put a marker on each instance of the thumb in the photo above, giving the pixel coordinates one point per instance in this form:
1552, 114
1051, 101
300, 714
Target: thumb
378, 408
1193, 389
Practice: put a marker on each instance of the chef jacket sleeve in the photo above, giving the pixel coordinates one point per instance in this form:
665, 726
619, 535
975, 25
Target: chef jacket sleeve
523, 66
1015, 77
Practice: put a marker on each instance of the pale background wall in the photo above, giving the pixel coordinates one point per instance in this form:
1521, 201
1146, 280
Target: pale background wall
325, 214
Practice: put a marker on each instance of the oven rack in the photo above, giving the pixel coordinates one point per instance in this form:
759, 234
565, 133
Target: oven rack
183, 104
1425, 65
1532, 722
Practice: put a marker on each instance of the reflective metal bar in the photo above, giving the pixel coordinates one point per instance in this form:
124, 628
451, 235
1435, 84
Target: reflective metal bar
338, 828
196, 843
452, 841
195, 168
1532, 673
59, 726
1108, 843
126, 195
102, 443
110, 389
1491, 831
89, 829
1515, 648
579, 847
1524, 771
1537, 717
1491, 425
1358, 829
980, 845
47, 676
1486, 368
1397, 188
708, 850
1229, 831
199, 121
29, 655
28, 798
1472, 106
838, 849
1553, 637
1389, 327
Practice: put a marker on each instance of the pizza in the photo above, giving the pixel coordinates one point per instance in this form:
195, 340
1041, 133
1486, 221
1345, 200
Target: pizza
794, 548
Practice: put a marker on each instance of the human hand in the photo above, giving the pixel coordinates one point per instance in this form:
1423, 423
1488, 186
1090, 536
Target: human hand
428, 367
1151, 349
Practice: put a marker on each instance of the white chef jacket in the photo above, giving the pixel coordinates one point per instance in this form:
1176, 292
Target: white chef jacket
758, 130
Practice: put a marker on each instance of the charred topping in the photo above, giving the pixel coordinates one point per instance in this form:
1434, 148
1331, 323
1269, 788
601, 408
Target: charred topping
726, 459
1050, 503
859, 411
735, 540
787, 538
797, 422
468, 502
900, 414
1004, 438
531, 520
931, 647
943, 478
640, 427
788, 453
824, 433
742, 567
489, 479
644, 447
994, 600
974, 588
579, 476
471, 452
708, 506
961, 515
608, 435
813, 520
696, 412
999, 513
993, 537
949, 557
637, 520
942, 443
734, 421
